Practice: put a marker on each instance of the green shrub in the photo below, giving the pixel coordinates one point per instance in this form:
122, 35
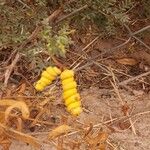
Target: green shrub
106, 14
56, 43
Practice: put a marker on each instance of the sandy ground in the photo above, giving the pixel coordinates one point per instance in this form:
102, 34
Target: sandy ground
102, 105
105, 104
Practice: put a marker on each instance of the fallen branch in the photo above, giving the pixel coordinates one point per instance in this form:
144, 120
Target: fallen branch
133, 35
141, 30
134, 78
91, 61
10, 69
72, 13
110, 121
87, 46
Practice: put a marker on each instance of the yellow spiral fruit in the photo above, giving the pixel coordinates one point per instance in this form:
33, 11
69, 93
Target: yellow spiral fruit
47, 77
70, 93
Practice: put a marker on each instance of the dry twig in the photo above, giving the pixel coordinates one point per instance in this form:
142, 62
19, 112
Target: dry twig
91, 61
134, 78
72, 13
87, 46
133, 35
10, 69
120, 98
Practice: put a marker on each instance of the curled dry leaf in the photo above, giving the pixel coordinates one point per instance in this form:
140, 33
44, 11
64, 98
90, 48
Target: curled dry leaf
21, 106
63, 129
127, 61
15, 104
2, 116
7, 102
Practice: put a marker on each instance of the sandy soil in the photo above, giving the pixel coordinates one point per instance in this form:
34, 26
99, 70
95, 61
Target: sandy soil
101, 105
104, 104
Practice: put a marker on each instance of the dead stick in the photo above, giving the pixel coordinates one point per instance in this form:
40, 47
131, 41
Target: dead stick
141, 30
72, 13
92, 60
133, 35
134, 78
87, 46
141, 42
10, 69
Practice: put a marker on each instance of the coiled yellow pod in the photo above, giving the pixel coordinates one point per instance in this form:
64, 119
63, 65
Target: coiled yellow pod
70, 93
47, 77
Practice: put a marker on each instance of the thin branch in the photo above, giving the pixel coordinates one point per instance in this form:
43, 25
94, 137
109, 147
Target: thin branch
141, 42
10, 69
117, 47
92, 60
122, 73
133, 35
134, 78
88, 64
87, 46
72, 13
120, 98
141, 30
132, 124
52, 17
99, 124
112, 121
24, 4
95, 39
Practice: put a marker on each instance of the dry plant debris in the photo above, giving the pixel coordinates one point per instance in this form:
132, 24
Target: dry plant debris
11, 133
61, 130
8, 133
127, 61
113, 75
15, 104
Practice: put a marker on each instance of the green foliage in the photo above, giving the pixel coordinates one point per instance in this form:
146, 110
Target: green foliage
104, 13
56, 43
18, 21
146, 8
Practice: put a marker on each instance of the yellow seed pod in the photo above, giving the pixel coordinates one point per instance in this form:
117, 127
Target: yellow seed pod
66, 81
76, 111
70, 85
47, 77
45, 74
57, 70
51, 71
40, 82
72, 99
74, 105
45, 81
39, 87
69, 93
67, 74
